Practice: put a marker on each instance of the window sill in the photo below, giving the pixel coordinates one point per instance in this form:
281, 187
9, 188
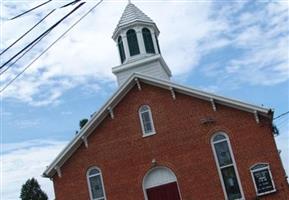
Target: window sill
264, 193
148, 134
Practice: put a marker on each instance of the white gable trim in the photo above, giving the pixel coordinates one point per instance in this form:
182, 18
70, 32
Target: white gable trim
123, 90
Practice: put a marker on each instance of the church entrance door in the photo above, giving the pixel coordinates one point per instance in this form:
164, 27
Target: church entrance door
167, 191
160, 183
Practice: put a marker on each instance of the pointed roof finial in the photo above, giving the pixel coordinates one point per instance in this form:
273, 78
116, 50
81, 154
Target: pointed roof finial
130, 15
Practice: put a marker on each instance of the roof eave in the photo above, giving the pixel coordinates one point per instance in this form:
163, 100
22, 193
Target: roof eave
121, 92
86, 130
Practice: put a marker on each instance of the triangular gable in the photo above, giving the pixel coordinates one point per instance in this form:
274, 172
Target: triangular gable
137, 79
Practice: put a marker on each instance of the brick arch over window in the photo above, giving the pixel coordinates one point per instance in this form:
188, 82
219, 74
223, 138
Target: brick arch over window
226, 166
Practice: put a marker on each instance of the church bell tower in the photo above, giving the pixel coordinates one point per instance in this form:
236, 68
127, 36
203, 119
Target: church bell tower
136, 36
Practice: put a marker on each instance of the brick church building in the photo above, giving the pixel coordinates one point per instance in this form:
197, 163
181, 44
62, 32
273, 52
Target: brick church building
157, 140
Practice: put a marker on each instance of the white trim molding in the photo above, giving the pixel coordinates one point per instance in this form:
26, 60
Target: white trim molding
258, 168
138, 84
223, 137
173, 93
100, 115
110, 110
256, 117
84, 138
213, 104
58, 170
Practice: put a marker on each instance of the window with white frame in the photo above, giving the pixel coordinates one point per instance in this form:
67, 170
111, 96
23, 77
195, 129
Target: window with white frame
262, 179
146, 120
95, 184
226, 166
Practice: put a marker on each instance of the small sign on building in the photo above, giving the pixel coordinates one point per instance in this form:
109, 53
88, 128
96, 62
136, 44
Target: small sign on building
262, 179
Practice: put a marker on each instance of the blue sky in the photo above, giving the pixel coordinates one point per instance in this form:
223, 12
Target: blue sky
237, 49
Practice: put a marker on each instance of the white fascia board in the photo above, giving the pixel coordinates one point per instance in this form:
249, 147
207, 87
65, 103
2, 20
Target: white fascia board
121, 92
136, 63
89, 127
203, 95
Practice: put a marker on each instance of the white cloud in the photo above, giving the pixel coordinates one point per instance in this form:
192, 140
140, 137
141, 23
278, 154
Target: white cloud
189, 32
261, 45
283, 144
24, 160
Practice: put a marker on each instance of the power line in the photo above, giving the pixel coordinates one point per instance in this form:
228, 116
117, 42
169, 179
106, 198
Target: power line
41, 36
71, 3
43, 52
285, 113
30, 10
27, 32
36, 41
23, 54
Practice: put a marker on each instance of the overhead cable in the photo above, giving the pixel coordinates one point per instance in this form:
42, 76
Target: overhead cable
41, 36
71, 3
27, 32
68, 4
31, 9
23, 54
51, 45
285, 113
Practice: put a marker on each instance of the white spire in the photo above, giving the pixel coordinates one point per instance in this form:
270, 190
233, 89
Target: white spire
132, 14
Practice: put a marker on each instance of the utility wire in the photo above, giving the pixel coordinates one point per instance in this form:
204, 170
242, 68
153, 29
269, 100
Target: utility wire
36, 42
43, 52
41, 36
71, 3
23, 54
285, 113
27, 32
30, 10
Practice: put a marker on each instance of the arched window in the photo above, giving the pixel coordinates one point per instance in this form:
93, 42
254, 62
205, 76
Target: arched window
147, 37
121, 49
226, 166
132, 42
95, 184
146, 120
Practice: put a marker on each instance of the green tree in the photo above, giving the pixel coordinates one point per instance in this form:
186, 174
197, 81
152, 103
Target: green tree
31, 191
82, 123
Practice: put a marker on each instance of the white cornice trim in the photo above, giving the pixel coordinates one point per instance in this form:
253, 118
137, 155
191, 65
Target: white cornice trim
123, 90
143, 61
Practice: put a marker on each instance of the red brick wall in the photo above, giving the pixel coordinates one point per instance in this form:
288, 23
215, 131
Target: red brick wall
181, 143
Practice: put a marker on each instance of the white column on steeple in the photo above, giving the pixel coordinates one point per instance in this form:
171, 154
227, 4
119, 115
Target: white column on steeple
140, 40
125, 45
155, 42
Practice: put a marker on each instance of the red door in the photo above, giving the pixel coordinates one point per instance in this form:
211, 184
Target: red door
164, 192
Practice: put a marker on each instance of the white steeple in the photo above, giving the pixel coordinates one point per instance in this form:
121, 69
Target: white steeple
136, 36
